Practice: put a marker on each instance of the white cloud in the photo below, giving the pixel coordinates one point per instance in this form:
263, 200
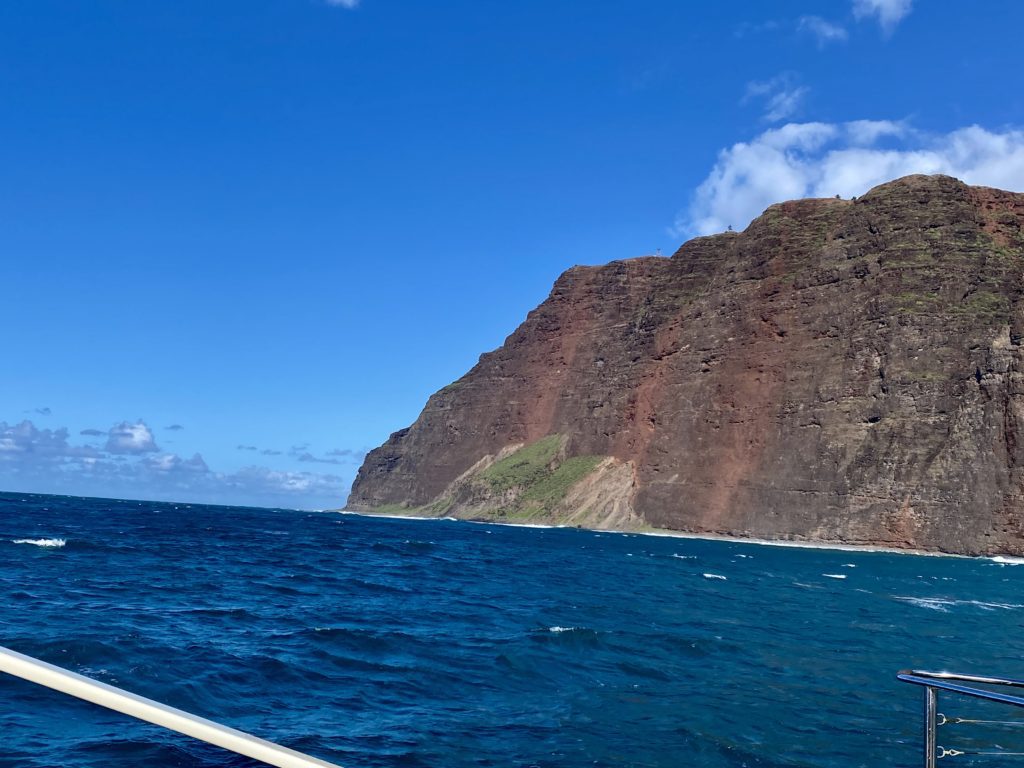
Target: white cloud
26, 442
780, 95
783, 104
889, 13
131, 438
866, 132
824, 32
344, 3
826, 159
170, 462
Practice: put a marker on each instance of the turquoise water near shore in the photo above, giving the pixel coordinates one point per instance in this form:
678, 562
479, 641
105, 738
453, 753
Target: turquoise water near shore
385, 642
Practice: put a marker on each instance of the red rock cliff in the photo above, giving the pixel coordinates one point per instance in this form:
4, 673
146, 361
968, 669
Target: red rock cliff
845, 371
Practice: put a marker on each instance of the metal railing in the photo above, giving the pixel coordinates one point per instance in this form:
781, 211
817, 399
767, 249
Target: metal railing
50, 676
933, 682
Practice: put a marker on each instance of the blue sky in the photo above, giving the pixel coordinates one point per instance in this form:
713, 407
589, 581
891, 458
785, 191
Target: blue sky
279, 225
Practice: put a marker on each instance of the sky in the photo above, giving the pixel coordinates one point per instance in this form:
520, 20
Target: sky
241, 242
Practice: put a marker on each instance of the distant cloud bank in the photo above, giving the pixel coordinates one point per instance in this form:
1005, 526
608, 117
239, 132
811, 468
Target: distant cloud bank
827, 159
131, 464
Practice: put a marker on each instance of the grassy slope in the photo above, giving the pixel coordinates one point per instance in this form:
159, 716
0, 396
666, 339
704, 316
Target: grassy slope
528, 484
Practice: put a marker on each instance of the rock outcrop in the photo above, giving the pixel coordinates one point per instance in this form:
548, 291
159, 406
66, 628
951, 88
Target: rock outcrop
841, 371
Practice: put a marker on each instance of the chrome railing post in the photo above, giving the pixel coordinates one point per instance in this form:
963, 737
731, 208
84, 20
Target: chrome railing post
933, 682
931, 706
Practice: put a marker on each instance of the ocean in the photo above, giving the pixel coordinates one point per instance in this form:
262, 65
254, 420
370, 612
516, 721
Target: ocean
389, 642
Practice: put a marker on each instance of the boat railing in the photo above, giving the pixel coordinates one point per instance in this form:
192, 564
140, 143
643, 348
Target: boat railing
933, 682
81, 687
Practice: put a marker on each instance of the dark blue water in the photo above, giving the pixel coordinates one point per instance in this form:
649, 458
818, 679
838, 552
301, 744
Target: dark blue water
381, 642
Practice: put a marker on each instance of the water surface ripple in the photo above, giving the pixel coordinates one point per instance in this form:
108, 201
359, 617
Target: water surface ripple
383, 642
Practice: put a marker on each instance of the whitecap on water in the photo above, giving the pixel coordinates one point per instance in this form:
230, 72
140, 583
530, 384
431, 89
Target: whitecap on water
992, 606
1004, 560
943, 604
834, 575
932, 603
563, 629
713, 576
55, 543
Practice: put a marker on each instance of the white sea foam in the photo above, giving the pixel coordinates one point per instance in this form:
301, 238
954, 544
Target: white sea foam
943, 604
491, 522
56, 543
390, 517
563, 629
932, 603
684, 557
785, 543
994, 606
663, 533
1004, 560
713, 576
834, 575
849, 565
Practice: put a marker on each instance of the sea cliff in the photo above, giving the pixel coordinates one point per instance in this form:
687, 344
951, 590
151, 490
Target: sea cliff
844, 371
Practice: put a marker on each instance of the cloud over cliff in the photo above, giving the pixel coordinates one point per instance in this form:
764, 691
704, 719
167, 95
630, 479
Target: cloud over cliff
827, 159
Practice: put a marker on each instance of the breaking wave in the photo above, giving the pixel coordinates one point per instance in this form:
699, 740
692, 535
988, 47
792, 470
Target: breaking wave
51, 543
1005, 560
944, 604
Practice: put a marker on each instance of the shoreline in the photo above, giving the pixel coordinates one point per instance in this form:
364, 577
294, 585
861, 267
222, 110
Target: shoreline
670, 534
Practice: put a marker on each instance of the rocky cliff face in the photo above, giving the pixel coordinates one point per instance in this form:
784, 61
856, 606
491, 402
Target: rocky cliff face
843, 371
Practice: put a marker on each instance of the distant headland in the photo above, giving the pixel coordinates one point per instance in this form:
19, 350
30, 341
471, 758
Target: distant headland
842, 371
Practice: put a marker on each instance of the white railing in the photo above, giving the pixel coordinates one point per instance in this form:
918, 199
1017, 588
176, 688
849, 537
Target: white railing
108, 696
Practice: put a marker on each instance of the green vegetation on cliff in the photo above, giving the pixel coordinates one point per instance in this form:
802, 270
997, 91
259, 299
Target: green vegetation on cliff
528, 484
536, 477
548, 492
527, 466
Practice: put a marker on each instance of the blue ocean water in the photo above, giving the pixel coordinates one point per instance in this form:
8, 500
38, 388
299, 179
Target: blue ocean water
385, 642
